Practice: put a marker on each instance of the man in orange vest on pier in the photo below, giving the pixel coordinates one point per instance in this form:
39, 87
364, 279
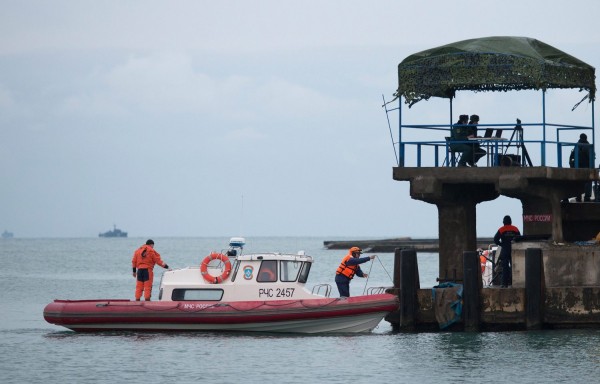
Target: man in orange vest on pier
144, 259
348, 268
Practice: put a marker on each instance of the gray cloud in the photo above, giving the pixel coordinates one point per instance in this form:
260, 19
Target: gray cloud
159, 118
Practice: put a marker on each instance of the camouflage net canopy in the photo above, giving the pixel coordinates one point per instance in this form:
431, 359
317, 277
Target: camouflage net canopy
498, 63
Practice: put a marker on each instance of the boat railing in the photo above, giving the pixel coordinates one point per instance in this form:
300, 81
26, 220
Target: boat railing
322, 289
377, 290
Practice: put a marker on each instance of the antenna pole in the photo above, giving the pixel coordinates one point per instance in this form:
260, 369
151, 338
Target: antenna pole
242, 217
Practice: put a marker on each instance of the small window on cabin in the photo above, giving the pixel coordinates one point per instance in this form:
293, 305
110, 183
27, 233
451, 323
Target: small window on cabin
289, 270
304, 273
267, 272
183, 294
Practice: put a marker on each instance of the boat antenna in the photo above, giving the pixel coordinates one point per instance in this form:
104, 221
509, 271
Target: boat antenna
387, 115
242, 217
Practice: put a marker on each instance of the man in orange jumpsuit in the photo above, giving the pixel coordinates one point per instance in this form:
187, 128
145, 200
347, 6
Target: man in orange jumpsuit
144, 259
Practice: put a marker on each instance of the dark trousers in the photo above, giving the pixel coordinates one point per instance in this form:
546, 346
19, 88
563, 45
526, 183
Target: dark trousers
506, 264
471, 153
343, 284
466, 151
588, 190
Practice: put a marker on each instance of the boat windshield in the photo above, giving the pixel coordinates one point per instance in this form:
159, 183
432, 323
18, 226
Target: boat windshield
289, 270
236, 266
267, 272
304, 274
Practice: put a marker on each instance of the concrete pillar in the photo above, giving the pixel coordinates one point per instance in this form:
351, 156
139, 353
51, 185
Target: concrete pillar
457, 233
471, 290
409, 285
534, 288
394, 317
397, 263
542, 216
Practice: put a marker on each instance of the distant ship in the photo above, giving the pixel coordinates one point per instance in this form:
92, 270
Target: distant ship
114, 233
7, 235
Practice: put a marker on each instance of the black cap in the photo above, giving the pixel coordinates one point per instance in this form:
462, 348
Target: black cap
149, 242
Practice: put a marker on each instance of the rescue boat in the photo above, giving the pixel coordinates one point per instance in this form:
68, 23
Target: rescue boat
231, 291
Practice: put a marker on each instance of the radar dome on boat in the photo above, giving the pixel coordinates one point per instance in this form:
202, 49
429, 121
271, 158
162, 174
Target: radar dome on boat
237, 242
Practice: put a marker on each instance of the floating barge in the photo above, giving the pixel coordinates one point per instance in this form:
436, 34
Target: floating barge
390, 245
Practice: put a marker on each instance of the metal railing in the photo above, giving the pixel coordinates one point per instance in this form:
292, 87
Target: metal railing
510, 149
317, 289
377, 290
529, 144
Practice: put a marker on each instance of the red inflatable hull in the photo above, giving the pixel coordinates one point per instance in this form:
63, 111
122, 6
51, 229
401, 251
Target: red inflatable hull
354, 314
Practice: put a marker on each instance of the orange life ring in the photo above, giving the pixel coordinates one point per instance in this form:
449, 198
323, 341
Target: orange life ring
267, 276
204, 268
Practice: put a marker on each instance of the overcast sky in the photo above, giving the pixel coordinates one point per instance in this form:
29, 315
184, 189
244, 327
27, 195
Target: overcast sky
226, 118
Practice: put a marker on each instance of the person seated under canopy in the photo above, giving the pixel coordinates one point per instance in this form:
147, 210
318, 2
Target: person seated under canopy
460, 134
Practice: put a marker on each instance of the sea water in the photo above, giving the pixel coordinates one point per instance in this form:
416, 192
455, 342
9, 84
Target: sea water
33, 272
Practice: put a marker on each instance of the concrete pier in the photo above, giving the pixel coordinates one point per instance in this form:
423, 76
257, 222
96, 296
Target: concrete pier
552, 285
457, 191
537, 300
556, 283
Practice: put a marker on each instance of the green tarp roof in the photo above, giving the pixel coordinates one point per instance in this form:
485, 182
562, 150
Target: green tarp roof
498, 63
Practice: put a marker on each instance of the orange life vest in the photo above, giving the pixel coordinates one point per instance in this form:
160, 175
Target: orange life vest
345, 269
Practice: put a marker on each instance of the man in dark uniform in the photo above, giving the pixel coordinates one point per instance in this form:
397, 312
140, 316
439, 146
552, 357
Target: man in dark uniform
583, 157
460, 132
477, 152
504, 238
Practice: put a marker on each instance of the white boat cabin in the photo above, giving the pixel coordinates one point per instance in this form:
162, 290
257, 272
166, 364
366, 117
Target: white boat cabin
252, 277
